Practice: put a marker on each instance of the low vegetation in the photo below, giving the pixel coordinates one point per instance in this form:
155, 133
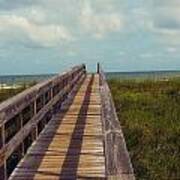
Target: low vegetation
10, 92
149, 112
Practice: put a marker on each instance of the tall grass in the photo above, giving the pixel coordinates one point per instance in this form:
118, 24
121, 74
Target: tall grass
8, 93
149, 112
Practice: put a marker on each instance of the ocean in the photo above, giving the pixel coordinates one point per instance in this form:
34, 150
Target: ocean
21, 79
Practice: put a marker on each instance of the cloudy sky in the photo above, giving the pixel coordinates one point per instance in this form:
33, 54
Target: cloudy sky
45, 36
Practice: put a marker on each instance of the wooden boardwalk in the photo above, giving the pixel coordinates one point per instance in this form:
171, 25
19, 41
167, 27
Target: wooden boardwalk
71, 145
63, 128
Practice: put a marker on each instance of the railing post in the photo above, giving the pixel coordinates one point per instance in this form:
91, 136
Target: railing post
51, 90
36, 126
22, 147
3, 169
98, 67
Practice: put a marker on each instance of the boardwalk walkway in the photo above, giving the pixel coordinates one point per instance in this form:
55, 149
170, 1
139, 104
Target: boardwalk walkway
71, 145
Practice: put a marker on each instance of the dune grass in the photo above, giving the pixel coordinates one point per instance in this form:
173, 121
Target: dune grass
8, 93
149, 112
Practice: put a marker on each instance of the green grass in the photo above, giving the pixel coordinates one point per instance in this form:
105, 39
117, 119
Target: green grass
149, 112
8, 93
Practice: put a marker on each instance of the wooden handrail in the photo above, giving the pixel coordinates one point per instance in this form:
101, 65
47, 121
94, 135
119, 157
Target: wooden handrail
27, 113
118, 164
11, 106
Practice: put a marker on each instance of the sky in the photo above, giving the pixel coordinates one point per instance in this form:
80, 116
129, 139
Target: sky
49, 36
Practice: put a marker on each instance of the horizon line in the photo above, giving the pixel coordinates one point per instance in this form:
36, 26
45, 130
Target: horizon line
55, 73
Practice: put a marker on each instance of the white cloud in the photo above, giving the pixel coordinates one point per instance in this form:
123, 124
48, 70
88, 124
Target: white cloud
121, 53
72, 53
166, 20
15, 4
166, 3
171, 50
140, 18
146, 55
99, 23
36, 15
45, 35
51, 22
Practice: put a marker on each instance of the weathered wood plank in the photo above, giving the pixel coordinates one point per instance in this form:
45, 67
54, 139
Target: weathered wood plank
71, 146
31, 106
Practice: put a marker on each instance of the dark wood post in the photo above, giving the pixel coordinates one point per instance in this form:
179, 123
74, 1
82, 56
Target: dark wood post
36, 127
21, 121
3, 170
98, 68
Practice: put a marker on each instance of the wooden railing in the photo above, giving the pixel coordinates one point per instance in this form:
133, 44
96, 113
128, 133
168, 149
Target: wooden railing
118, 164
24, 116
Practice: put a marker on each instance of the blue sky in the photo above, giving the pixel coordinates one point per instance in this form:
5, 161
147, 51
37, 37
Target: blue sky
46, 36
